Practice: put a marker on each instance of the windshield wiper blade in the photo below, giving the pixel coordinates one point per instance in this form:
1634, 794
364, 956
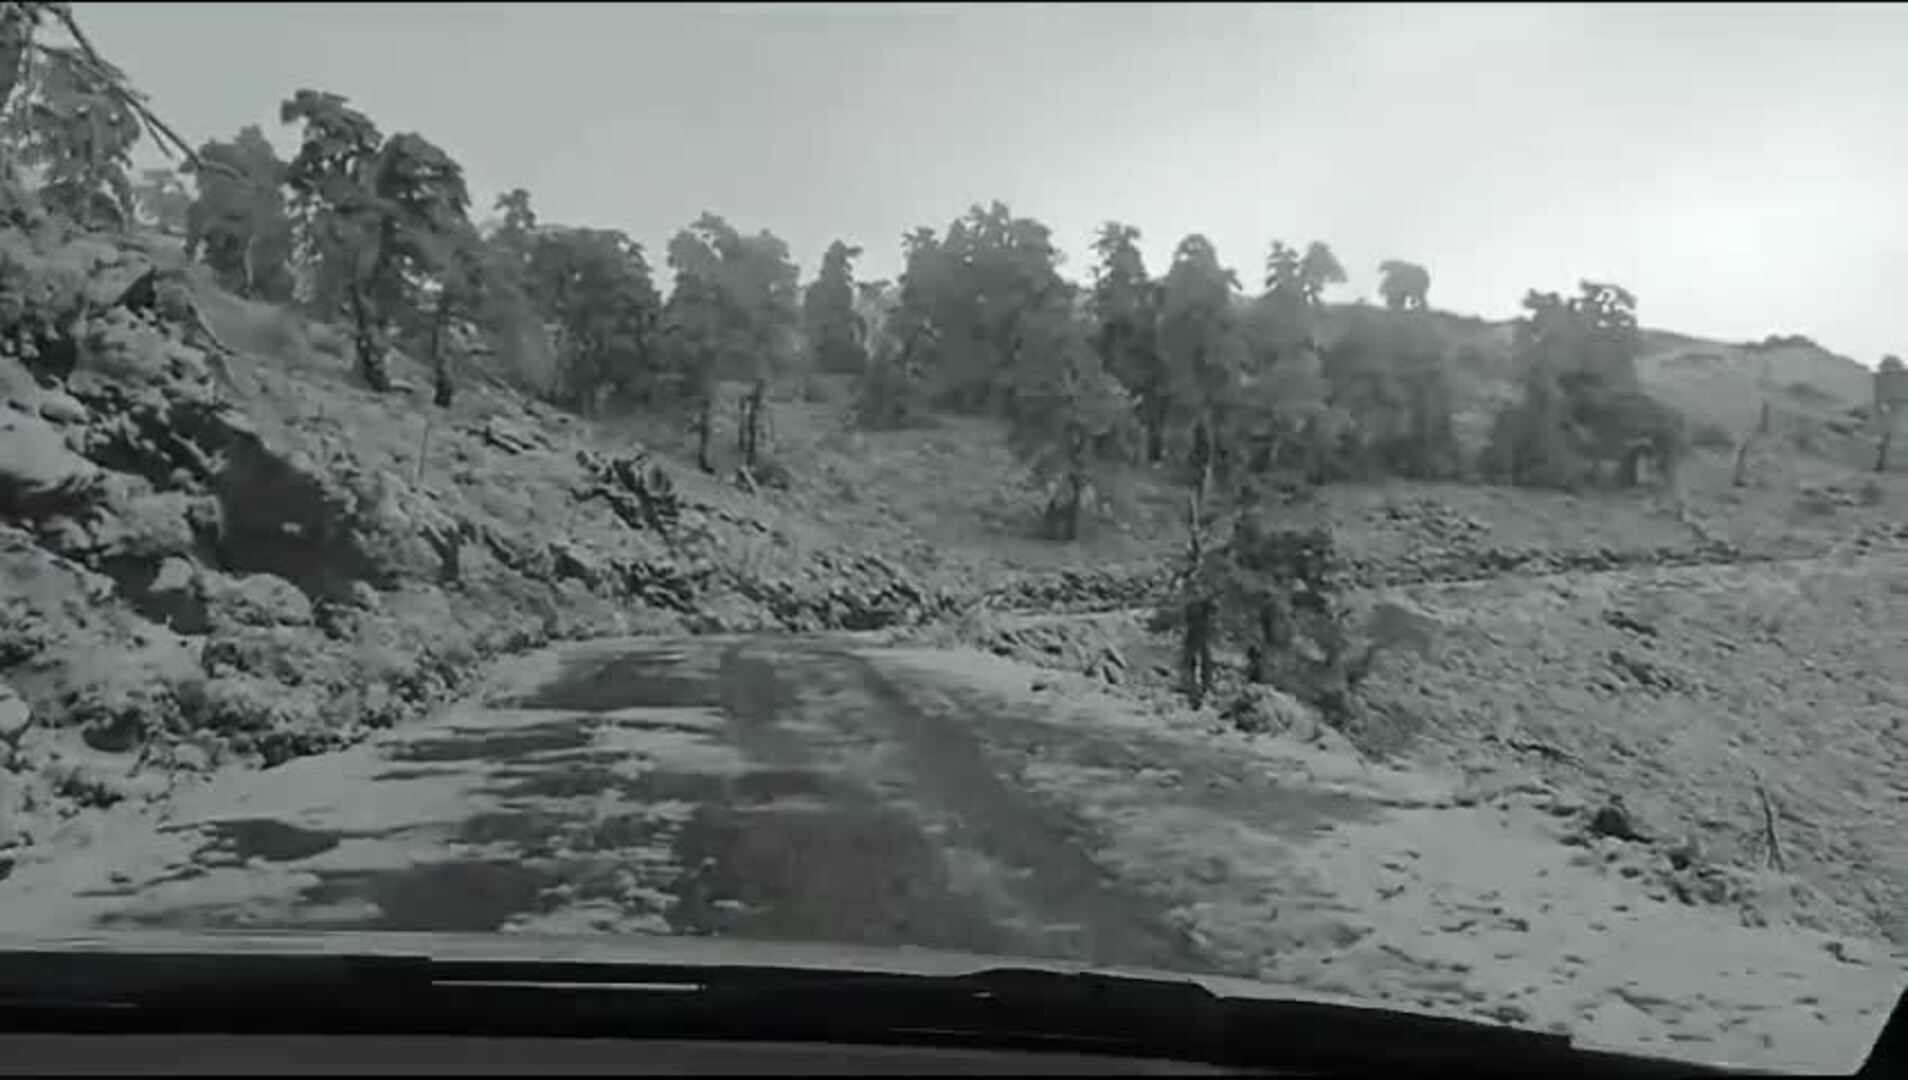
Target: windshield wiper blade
1110, 1012
999, 1007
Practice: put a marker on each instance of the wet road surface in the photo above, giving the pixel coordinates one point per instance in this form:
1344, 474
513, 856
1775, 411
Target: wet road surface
821, 791
779, 789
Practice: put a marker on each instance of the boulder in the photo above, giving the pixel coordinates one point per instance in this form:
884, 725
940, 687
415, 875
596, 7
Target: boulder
281, 517
1613, 820
40, 476
61, 407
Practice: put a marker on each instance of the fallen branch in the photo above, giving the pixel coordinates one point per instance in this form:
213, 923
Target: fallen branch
423, 448
505, 437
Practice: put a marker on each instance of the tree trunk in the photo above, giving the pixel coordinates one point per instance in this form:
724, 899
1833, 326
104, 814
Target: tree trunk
1271, 640
1222, 463
1201, 456
370, 349
751, 434
705, 426
1064, 512
440, 362
1076, 485
1153, 420
1195, 652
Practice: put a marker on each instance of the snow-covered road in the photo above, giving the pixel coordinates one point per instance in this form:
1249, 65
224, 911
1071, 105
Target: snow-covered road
782, 789
832, 790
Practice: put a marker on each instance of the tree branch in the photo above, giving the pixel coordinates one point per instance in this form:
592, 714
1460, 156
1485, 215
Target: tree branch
159, 131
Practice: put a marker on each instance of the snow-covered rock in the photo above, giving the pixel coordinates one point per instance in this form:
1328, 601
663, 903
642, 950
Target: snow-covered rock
39, 475
255, 600
15, 717
61, 407
149, 525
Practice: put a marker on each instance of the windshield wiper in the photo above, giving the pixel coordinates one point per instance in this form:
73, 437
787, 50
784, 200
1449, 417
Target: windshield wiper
1001, 1007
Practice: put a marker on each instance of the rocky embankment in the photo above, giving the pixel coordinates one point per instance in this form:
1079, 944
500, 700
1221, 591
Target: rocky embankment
1443, 556
211, 556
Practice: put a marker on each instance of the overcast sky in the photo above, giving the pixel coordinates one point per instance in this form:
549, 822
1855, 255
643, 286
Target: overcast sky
1740, 168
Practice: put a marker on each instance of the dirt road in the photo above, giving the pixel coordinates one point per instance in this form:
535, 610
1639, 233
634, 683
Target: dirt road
818, 790
773, 788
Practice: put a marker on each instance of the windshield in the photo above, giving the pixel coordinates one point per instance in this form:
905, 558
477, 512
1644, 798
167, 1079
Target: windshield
1390, 502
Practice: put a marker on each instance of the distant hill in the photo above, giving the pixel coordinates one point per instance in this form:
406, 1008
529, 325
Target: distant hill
1815, 395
